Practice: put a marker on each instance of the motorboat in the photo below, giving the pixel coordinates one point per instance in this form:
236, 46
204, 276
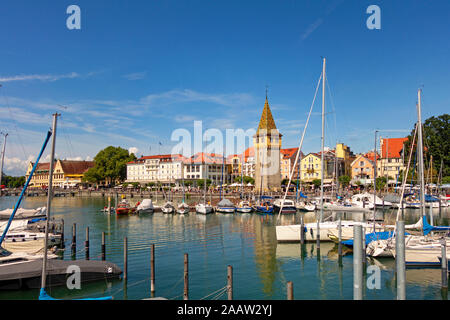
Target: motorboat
168, 208
265, 205
305, 206
288, 206
183, 208
124, 208
244, 207
203, 208
146, 206
225, 206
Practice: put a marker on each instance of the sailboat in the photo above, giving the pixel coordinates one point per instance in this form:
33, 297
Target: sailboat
243, 206
204, 208
183, 207
224, 205
424, 250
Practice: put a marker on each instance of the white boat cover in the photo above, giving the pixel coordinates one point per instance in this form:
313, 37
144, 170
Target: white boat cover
225, 203
23, 213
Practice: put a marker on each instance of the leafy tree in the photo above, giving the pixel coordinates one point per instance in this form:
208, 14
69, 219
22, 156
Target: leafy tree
344, 180
436, 133
12, 182
110, 165
446, 180
201, 183
317, 182
381, 182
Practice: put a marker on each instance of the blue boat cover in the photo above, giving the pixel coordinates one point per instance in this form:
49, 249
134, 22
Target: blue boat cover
44, 296
427, 228
302, 195
373, 237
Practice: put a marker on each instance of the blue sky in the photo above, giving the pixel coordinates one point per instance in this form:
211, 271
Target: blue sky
138, 70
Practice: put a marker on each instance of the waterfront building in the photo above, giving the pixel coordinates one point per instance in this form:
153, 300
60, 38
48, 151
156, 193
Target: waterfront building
311, 166
249, 162
210, 166
345, 158
267, 143
66, 173
363, 168
287, 161
391, 162
161, 169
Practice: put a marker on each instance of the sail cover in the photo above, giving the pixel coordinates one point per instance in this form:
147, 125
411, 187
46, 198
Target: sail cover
225, 203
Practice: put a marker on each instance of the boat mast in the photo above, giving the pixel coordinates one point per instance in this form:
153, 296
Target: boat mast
420, 153
3, 156
323, 143
375, 181
49, 201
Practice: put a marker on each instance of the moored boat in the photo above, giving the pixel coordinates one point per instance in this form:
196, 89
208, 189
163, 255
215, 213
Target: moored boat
183, 208
225, 206
146, 206
288, 206
244, 207
124, 208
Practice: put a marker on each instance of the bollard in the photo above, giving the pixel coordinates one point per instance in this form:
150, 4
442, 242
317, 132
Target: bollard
400, 260
290, 290
302, 230
103, 246
186, 277
125, 258
444, 264
152, 268
74, 240
357, 263
86, 243
230, 282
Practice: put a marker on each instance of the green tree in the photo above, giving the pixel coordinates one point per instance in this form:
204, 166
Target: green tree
344, 180
381, 182
436, 133
12, 182
110, 165
317, 182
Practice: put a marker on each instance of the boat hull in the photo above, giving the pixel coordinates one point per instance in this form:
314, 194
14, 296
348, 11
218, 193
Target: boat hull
244, 210
225, 209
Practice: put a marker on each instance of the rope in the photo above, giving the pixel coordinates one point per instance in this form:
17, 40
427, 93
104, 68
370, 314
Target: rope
220, 294
214, 292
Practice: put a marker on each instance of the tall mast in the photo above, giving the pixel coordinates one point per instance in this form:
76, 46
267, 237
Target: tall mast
375, 181
3, 156
323, 140
49, 201
420, 154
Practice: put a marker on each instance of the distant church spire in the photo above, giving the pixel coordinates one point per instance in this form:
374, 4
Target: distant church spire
266, 123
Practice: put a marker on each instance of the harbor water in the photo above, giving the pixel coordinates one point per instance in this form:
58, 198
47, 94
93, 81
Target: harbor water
261, 266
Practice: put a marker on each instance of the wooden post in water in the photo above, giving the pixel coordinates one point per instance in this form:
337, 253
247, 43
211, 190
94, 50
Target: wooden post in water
86, 243
400, 260
357, 263
74, 240
340, 238
103, 246
186, 277
125, 258
62, 245
152, 268
290, 290
302, 230
230, 282
444, 265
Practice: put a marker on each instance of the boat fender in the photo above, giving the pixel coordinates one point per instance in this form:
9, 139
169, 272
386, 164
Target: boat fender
311, 232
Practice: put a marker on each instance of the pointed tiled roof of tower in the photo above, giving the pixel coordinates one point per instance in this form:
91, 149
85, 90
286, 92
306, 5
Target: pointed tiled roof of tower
266, 123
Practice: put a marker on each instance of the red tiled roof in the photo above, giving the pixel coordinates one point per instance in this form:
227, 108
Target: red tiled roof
162, 157
250, 152
203, 157
370, 156
392, 147
76, 167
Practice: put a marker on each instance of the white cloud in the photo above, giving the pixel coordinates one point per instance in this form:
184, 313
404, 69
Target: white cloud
40, 77
133, 150
135, 76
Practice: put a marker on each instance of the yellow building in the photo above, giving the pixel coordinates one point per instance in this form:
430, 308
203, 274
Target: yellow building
311, 167
344, 154
66, 173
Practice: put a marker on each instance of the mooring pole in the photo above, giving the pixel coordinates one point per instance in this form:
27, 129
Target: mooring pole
302, 230
400, 260
444, 264
125, 258
340, 237
86, 243
62, 245
357, 263
152, 268
103, 246
230, 282
290, 290
74, 240
186, 277
363, 252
